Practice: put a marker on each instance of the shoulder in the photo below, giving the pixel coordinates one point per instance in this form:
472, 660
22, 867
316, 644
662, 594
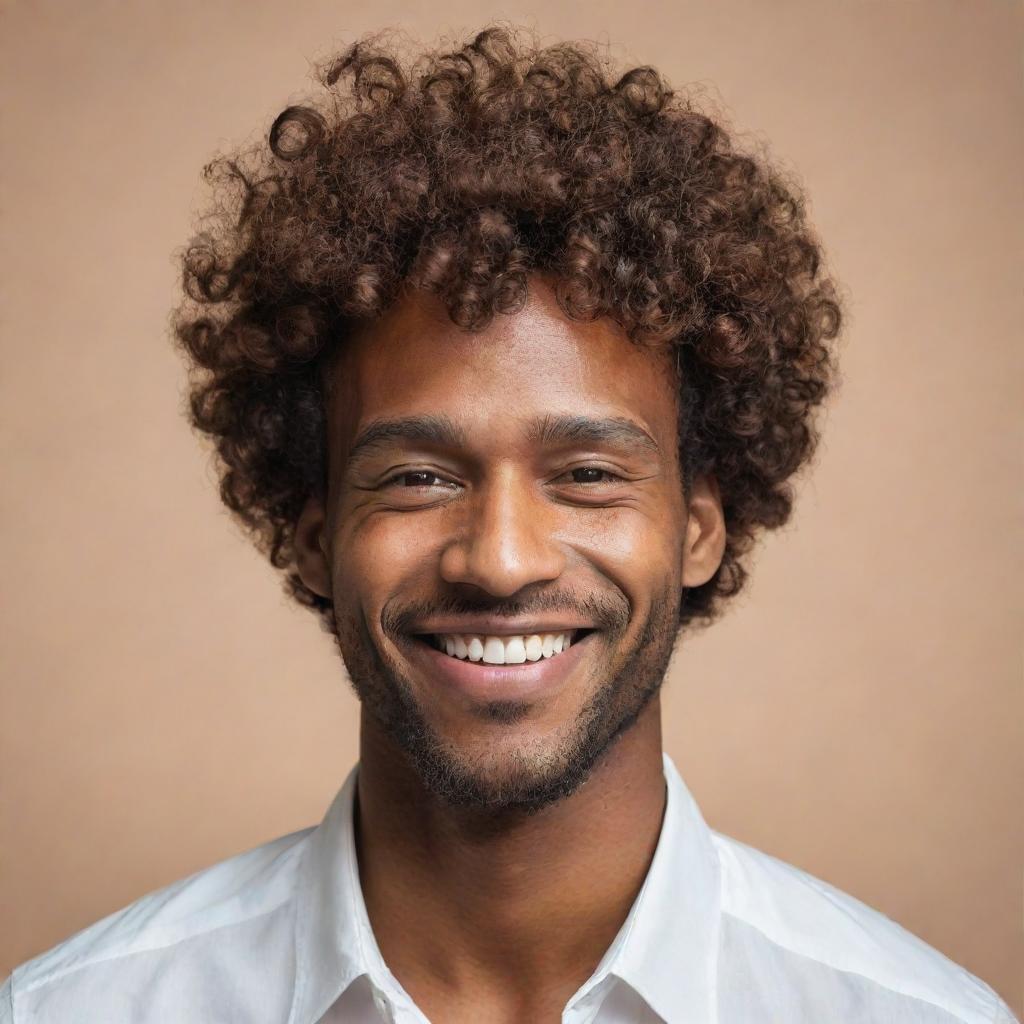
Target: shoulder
827, 942
175, 933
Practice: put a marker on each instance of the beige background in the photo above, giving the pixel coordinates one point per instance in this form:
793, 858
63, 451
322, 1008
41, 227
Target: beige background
858, 713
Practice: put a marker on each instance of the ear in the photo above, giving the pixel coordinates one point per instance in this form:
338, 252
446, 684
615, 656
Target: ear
311, 560
704, 543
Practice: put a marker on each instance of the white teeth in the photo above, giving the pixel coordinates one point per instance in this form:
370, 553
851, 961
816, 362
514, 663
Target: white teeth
494, 651
515, 651
504, 650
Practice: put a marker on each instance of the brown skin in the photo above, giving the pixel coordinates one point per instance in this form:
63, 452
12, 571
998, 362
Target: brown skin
487, 912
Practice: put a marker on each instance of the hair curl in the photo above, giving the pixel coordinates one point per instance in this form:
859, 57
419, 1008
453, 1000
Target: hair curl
461, 173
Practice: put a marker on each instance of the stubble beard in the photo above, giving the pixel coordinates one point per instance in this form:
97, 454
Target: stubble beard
528, 778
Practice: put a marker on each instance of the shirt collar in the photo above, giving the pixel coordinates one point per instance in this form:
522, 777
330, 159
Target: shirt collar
334, 942
666, 950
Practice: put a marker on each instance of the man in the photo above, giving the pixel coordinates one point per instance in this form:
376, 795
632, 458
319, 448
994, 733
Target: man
507, 360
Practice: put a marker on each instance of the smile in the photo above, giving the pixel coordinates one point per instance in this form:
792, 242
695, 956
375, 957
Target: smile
506, 666
504, 650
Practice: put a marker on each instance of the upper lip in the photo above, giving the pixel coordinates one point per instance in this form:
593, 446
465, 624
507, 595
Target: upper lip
497, 626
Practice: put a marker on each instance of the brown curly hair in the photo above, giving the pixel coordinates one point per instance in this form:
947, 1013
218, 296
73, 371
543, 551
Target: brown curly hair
462, 172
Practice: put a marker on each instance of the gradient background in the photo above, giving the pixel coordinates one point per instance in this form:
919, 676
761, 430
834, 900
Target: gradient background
857, 712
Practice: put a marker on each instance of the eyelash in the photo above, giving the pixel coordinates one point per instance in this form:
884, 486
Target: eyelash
412, 472
614, 477
595, 469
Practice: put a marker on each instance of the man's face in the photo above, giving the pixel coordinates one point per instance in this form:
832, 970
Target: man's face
494, 496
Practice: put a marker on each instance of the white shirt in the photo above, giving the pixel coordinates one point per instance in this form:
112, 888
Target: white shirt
719, 934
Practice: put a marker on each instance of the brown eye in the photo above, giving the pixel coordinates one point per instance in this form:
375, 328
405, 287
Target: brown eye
418, 478
589, 475
412, 479
411, 489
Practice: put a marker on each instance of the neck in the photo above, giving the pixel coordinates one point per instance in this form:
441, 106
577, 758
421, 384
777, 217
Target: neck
516, 909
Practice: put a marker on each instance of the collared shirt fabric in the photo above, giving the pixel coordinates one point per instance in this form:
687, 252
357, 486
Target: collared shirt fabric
720, 933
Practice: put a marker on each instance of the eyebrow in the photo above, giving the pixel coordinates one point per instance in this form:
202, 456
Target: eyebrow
614, 429
437, 430
547, 430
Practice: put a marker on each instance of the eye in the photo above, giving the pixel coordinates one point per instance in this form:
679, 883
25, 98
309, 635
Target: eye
592, 475
418, 478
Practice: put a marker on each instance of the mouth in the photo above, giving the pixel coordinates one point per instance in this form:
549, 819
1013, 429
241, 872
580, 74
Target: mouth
483, 668
513, 649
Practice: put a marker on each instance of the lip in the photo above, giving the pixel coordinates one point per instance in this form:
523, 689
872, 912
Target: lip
483, 625
481, 683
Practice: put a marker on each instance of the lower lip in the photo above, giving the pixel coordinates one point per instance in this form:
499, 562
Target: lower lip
481, 683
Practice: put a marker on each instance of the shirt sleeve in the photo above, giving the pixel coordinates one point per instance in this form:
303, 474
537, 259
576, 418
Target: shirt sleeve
7, 1002
1004, 1015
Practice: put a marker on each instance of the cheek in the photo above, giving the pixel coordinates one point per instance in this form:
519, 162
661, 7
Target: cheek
377, 554
638, 550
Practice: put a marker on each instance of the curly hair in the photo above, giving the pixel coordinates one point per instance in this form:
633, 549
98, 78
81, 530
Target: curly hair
461, 172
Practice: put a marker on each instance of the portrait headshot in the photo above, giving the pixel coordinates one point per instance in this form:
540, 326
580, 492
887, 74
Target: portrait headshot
512, 514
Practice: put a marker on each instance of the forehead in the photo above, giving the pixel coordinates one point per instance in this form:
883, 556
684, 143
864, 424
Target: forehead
415, 361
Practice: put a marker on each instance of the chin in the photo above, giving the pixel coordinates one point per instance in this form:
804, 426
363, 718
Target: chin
523, 770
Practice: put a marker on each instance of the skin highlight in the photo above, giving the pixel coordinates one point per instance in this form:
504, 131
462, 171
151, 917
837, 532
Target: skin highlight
501, 848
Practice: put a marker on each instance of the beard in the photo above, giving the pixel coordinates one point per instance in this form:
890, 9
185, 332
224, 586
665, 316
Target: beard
529, 778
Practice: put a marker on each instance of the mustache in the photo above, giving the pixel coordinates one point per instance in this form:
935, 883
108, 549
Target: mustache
608, 612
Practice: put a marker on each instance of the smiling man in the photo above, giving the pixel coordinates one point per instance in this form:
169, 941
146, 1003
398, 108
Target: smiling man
510, 502
508, 357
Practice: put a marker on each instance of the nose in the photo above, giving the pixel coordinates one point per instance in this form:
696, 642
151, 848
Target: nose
505, 540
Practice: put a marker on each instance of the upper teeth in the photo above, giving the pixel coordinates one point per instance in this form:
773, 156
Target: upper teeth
504, 650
